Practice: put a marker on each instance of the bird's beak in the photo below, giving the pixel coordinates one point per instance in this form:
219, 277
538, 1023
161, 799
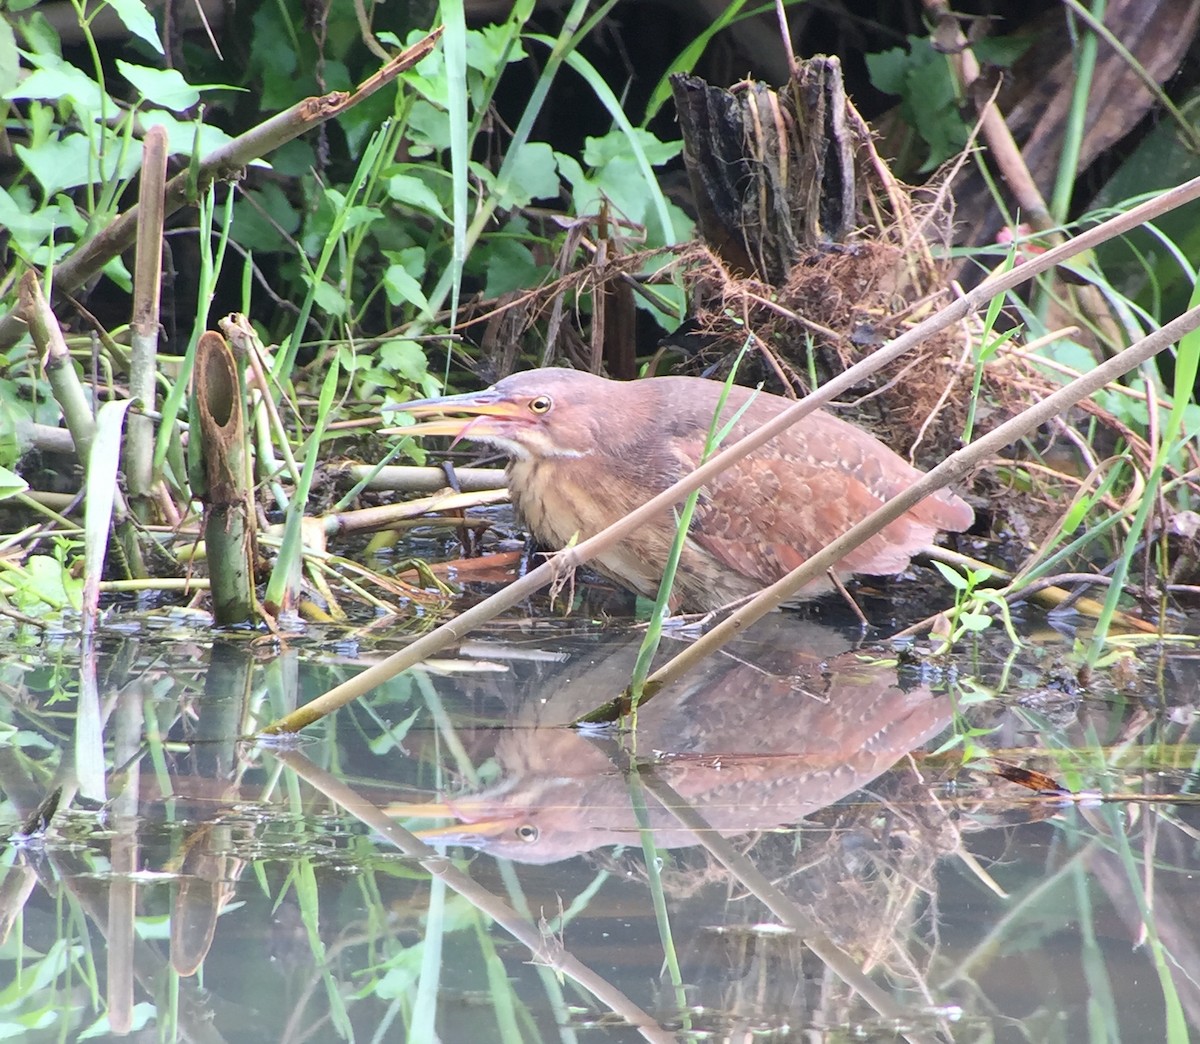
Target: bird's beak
473, 818
464, 833
471, 407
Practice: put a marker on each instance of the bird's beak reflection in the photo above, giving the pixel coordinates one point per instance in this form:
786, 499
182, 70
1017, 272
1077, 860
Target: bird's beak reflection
474, 821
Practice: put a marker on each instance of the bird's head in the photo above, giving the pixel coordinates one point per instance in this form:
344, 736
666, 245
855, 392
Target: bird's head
547, 831
537, 414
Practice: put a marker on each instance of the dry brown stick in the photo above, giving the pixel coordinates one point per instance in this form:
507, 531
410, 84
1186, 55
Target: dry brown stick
143, 337
569, 559
411, 479
1005, 150
368, 520
64, 381
90, 257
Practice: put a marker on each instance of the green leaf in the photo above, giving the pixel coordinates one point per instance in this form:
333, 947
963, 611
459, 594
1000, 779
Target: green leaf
402, 279
620, 177
329, 299
404, 358
1075, 516
30, 226
69, 162
928, 101
115, 269
58, 81
533, 176
402, 288
410, 191
11, 484
510, 266
164, 87
585, 194
138, 20
429, 126
359, 215
886, 69
272, 54
952, 576
598, 152
393, 737
490, 47
975, 621
1001, 51
263, 217
49, 582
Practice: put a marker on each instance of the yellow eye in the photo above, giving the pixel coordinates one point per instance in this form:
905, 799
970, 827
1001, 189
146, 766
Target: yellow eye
541, 404
527, 832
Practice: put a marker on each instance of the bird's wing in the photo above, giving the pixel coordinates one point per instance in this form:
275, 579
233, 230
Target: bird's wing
770, 513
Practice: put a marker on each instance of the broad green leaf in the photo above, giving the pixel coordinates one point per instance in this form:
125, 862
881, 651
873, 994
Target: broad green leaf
975, 621
403, 358
928, 96
68, 162
49, 581
329, 299
412, 192
165, 87
359, 215
58, 81
262, 218
138, 20
402, 288
615, 145
953, 577
489, 46
11, 484
272, 55
533, 176
430, 128
510, 266
585, 195
29, 225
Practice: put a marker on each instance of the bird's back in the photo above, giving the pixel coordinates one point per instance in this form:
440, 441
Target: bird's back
772, 511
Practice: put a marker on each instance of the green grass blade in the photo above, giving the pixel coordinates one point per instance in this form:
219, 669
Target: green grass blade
1187, 361
454, 49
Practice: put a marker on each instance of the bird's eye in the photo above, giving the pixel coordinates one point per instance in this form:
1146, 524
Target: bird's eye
527, 832
541, 404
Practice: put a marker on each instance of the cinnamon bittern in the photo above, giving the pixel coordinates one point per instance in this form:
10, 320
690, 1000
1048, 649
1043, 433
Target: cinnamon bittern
584, 451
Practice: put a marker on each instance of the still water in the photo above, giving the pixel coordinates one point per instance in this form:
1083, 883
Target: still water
810, 838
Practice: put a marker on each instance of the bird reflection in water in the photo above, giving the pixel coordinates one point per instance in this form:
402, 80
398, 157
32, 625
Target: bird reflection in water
765, 734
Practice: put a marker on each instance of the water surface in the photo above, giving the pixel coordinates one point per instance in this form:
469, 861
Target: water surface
810, 837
